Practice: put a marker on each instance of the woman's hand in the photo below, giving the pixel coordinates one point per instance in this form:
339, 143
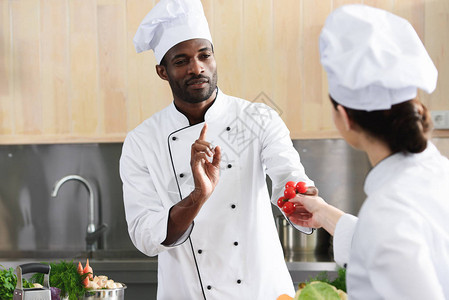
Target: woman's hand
312, 211
307, 210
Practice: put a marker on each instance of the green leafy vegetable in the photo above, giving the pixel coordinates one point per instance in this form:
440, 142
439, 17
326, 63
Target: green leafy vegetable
339, 282
322, 276
8, 282
318, 291
64, 276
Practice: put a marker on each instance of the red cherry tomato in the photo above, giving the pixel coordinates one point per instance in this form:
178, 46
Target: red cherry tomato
288, 207
289, 193
281, 201
301, 187
290, 184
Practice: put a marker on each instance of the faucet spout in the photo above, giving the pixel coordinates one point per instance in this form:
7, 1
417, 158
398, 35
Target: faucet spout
94, 236
91, 205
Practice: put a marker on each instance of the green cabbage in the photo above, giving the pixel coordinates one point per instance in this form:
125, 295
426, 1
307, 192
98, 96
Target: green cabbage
318, 291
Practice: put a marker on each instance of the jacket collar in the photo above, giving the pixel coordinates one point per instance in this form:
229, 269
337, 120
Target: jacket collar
215, 111
391, 166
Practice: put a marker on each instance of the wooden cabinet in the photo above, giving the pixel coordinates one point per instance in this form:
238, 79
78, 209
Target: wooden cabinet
69, 71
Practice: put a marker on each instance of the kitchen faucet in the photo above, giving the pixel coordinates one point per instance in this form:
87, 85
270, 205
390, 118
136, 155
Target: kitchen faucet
93, 233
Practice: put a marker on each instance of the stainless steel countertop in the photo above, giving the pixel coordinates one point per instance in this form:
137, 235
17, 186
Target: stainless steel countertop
144, 271
134, 260
151, 264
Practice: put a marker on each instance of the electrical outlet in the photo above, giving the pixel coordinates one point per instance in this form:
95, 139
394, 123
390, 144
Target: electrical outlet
440, 119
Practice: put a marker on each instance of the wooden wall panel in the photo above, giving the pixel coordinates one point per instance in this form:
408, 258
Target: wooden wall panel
112, 64
53, 69
69, 71
316, 113
208, 8
25, 37
288, 62
6, 98
437, 21
412, 10
84, 95
256, 72
139, 66
147, 93
383, 4
229, 44
338, 3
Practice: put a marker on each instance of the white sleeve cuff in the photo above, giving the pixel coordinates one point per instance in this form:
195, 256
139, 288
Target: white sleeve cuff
343, 234
183, 238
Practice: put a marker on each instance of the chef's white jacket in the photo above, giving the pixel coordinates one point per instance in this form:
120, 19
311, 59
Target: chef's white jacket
232, 250
398, 248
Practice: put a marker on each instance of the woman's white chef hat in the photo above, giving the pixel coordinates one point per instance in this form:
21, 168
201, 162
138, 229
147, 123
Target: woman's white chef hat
373, 58
171, 22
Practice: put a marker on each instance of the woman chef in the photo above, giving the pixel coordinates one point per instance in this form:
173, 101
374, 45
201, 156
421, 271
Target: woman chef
398, 247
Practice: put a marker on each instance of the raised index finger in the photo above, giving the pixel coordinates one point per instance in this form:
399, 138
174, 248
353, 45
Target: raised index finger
203, 133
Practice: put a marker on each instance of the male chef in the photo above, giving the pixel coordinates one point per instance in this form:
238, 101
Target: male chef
204, 210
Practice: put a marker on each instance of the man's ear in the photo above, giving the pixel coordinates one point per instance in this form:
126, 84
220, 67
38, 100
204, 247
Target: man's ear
162, 72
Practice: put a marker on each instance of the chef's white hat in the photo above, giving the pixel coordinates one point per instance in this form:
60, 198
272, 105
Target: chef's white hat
373, 58
169, 23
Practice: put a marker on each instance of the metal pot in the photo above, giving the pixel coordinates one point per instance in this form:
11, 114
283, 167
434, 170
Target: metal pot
299, 246
104, 294
109, 294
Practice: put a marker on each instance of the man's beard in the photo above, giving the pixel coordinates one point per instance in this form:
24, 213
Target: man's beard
196, 96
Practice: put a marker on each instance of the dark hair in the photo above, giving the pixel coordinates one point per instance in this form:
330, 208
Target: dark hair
163, 62
405, 127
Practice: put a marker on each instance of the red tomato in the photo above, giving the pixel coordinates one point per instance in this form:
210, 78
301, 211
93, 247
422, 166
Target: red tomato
289, 193
288, 208
301, 187
281, 201
290, 184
